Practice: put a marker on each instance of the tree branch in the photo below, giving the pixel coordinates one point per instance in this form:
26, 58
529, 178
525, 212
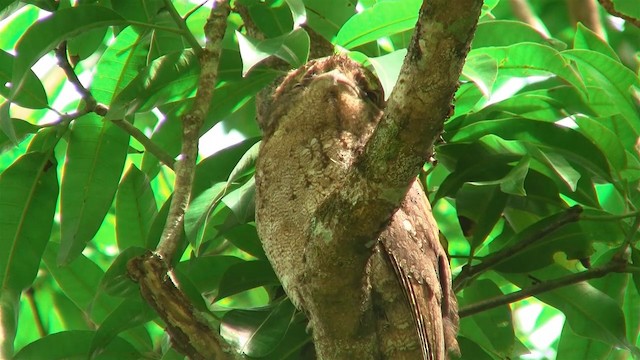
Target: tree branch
608, 5
616, 265
91, 105
191, 124
468, 272
190, 332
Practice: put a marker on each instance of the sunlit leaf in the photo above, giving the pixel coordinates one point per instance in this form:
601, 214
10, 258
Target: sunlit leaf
383, 19
46, 34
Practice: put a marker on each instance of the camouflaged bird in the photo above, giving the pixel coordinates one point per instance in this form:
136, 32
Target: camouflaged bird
315, 125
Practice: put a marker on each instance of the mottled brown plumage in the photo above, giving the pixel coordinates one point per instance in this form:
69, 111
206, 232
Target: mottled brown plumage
395, 293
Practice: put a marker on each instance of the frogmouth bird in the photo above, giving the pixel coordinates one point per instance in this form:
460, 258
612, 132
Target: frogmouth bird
392, 299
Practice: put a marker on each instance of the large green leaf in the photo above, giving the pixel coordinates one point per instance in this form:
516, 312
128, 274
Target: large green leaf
205, 272
244, 276
586, 39
505, 33
165, 41
28, 195
604, 73
496, 323
265, 327
75, 345
383, 19
119, 65
546, 136
326, 17
166, 79
80, 282
529, 59
21, 129
32, 94
130, 313
199, 209
95, 159
589, 312
46, 34
97, 150
135, 209
292, 47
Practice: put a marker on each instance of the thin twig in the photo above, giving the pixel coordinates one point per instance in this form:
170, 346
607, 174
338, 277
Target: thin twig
608, 5
192, 122
63, 63
148, 144
468, 272
615, 265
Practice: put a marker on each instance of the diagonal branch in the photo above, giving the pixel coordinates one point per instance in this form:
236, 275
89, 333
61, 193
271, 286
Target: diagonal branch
608, 5
593, 273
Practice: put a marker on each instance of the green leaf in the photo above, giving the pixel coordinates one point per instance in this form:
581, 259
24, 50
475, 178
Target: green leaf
327, 17
169, 78
245, 165
482, 70
241, 201
570, 239
80, 282
265, 328
116, 281
245, 276
75, 345
32, 94
9, 310
298, 12
130, 313
388, 69
95, 159
118, 66
46, 34
529, 59
135, 209
164, 41
505, 33
546, 136
496, 323
205, 272
383, 19
272, 17
85, 44
605, 139
245, 237
609, 75
589, 312
28, 195
292, 47
21, 129
199, 209
585, 39
483, 206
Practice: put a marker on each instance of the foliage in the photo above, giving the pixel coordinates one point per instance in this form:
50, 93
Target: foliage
541, 124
